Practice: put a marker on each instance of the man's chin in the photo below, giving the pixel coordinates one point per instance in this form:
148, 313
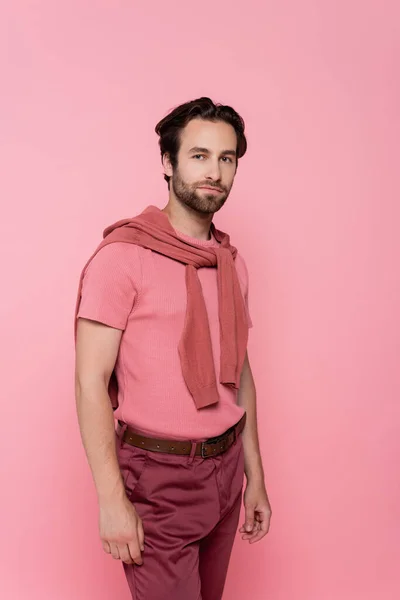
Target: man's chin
208, 208
210, 203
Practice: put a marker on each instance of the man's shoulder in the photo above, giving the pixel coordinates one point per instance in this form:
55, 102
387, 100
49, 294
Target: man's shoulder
116, 250
241, 268
118, 256
240, 260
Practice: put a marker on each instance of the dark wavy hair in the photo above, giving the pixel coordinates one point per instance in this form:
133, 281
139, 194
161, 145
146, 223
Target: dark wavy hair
171, 125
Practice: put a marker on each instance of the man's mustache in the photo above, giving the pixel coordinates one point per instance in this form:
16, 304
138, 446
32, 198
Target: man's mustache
209, 185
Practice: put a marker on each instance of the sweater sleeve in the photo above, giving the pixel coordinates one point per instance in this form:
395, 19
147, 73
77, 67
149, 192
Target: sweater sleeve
243, 275
111, 284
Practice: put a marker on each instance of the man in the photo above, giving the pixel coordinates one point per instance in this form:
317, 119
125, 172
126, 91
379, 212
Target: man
161, 333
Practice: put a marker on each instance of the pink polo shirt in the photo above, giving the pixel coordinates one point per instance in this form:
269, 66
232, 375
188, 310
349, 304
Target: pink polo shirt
144, 294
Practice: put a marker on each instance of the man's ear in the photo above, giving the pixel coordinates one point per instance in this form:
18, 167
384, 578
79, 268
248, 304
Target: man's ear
168, 170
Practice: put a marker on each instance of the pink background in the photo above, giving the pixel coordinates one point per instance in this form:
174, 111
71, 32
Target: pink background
315, 212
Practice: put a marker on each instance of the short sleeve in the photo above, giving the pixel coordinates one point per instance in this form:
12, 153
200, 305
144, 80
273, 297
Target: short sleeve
243, 275
110, 285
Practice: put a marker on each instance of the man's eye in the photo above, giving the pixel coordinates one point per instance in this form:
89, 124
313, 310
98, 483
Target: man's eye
198, 156
227, 158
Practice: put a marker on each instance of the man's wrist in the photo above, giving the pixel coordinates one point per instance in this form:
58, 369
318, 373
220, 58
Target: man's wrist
111, 494
255, 475
253, 467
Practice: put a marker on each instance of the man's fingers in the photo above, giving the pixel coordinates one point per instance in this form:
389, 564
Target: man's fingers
250, 534
135, 553
106, 546
140, 534
265, 524
249, 520
114, 551
128, 553
259, 535
124, 554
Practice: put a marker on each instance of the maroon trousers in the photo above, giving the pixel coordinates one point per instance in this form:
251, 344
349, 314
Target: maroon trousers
190, 510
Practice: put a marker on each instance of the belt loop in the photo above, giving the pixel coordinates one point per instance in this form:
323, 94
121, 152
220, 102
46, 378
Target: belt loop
192, 452
121, 428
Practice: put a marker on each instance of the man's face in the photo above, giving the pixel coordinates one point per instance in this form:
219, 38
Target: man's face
206, 165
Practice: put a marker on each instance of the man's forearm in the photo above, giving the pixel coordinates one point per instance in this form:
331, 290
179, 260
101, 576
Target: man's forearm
247, 399
96, 421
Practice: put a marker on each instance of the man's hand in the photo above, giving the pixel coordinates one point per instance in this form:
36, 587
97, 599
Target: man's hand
257, 512
121, 531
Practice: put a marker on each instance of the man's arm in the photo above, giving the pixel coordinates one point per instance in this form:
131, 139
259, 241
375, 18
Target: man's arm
247, 399
97, 347
258, 509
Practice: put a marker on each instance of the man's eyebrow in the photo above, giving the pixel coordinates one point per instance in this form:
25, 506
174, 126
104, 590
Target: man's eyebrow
199, 149
206, 151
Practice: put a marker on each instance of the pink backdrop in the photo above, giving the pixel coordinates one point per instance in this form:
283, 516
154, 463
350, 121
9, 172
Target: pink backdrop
315, 211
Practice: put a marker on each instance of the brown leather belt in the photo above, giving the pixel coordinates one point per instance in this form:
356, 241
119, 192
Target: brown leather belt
211, 447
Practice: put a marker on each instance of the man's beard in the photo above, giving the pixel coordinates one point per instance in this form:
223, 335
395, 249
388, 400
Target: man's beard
188, 194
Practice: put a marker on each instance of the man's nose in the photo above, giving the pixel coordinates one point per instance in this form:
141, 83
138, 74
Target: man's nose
213, 170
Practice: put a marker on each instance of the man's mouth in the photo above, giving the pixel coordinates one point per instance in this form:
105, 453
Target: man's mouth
208, 188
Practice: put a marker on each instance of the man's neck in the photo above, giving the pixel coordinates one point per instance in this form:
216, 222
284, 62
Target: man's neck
188, 221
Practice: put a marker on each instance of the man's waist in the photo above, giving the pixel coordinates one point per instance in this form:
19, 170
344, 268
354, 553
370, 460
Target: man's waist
204, 448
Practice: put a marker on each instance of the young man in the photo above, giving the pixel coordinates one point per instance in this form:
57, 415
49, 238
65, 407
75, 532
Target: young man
161, 328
